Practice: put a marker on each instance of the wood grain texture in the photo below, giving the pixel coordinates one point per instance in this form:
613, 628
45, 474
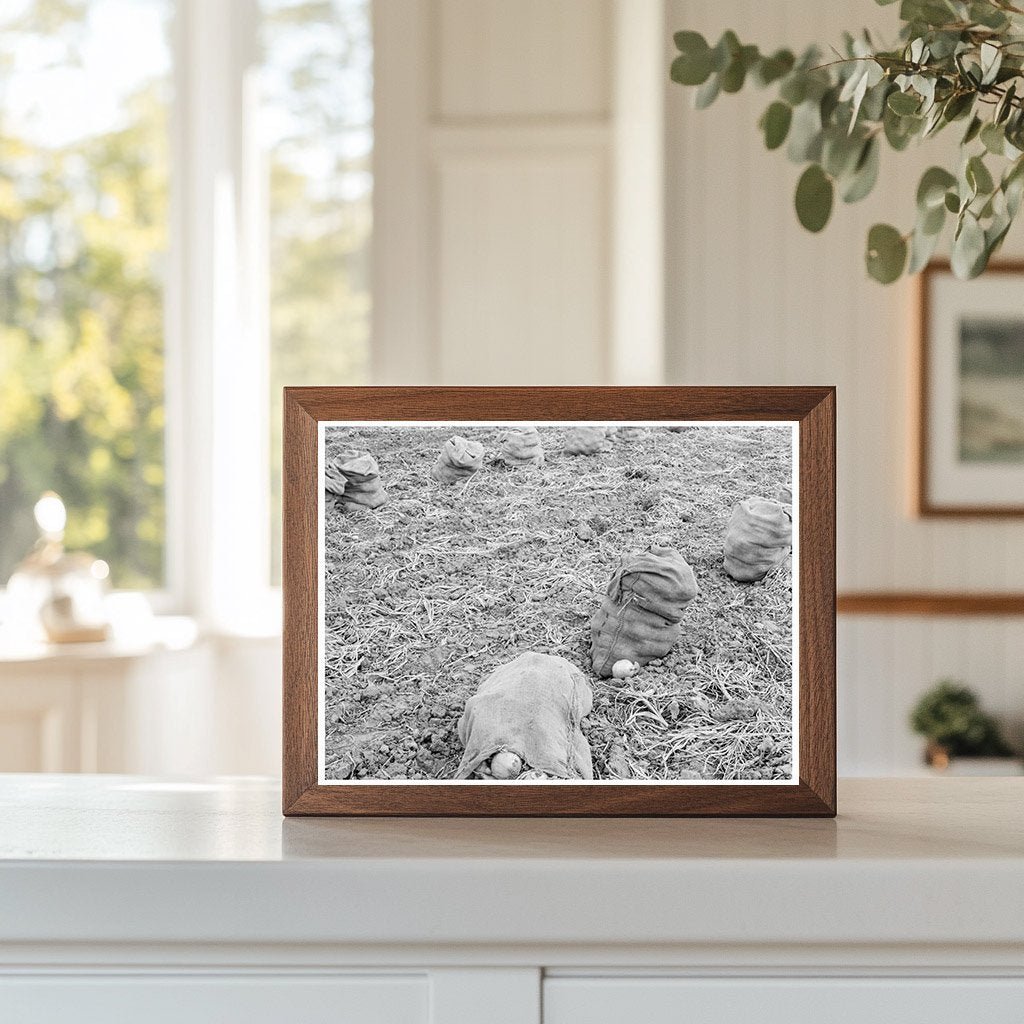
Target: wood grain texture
812, 407
923, 603
923, 503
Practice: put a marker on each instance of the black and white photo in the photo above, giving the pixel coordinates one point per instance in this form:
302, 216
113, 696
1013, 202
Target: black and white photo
580, 602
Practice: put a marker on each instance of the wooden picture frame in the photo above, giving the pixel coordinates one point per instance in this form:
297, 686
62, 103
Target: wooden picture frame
934, 406
810, 792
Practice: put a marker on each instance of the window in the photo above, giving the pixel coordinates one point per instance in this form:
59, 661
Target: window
317, 120
83, 234
175, 246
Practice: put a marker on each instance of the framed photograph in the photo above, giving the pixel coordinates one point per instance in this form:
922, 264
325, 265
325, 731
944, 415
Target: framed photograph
559, 601
970, 451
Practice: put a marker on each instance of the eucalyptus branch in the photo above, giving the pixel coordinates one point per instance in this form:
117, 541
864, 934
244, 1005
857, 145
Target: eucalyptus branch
955, 60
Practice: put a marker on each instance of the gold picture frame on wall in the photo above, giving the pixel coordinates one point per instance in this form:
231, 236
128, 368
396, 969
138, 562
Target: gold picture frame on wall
970, 386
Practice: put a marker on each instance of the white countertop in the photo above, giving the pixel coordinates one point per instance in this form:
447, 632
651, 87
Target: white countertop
117, 859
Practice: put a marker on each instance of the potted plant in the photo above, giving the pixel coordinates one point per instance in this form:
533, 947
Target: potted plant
957, 62
950, 717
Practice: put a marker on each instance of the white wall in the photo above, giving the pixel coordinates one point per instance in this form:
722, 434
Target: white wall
499, 204
509, 158
753, 299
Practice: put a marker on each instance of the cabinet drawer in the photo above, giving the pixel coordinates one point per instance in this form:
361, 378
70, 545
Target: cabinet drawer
220, 999
569, 1000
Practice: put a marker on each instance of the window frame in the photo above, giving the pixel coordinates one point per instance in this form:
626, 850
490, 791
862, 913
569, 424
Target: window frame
215, 321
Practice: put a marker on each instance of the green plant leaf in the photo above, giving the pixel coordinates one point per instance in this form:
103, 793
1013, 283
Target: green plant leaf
993, 138
840, 152
968, 257
775, 122
991, 57
1005, 105
1013, 186
771, 69
735, 74
805, 133
903, 103
973, 129
922, 248
693, 65
794, 89
814, 193
958, 106
865, 174
978, 176
931, 191
707, 93
987, 15
886, 253
932, 220
725, 49
900, 130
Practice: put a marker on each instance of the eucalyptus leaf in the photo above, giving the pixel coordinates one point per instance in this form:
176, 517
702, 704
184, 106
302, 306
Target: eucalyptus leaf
691, 70
814, 193
922, 248
886, 253
707, 93
987, 15
724, 51
805, 133
991, 60
904, 103
771, 69
794, 89
973, 130
968, 248
931, 221
1005, 105
978, 176
954, 60
735, 74
957, 106
865, 173
775, 123
931, 191
840, 152
993, 138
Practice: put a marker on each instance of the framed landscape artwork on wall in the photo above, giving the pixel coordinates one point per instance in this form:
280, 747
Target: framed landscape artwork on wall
559, 601
970, 452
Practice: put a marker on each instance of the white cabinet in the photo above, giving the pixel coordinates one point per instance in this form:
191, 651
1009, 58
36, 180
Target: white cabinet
830, 1000
224, 999
130, 898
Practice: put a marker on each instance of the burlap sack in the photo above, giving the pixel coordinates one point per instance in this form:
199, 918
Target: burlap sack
458, 460
354, 479
631, 433
584, 440
639, 617
784, 494
520, 446
759, 536
532, 706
